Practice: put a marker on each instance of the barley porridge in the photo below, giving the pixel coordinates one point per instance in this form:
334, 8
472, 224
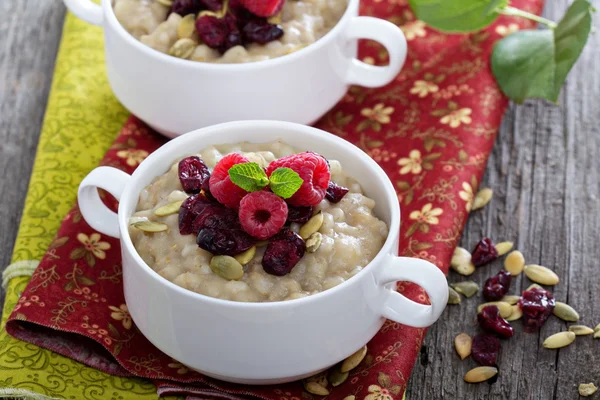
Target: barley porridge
329, 243
225, 31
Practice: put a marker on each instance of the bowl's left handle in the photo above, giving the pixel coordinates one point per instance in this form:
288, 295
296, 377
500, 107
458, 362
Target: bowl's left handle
95, 213
86, 10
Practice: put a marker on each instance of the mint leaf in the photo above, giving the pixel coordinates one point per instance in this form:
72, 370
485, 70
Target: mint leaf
457, 15
535, 63
285, 182
249, 176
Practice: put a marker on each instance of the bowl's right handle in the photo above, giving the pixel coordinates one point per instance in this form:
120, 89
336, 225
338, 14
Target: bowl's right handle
86, 10
93, 210
391, 37
403, 310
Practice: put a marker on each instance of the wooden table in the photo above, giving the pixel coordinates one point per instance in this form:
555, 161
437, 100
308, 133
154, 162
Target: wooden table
545, 173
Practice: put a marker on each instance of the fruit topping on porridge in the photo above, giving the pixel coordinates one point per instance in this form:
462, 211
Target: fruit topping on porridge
228, 31
282, 227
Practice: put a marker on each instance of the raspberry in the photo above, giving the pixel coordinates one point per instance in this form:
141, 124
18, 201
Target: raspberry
313, 170
221, 187
262, 214
263, 8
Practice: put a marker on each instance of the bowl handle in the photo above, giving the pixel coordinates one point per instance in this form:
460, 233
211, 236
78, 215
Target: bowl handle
86, 10
403, 310
391, 37
95, 213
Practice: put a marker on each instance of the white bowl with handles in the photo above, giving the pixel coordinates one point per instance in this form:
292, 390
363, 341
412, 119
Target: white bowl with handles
264, 343
175, 96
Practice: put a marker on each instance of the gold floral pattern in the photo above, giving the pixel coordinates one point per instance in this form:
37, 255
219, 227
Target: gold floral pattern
132, 156
411, 164
455, 118
413, 30
121, 313
423, 88
93, 247
467, 195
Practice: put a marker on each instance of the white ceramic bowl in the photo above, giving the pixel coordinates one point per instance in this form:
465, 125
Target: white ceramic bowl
262, 343
175, 96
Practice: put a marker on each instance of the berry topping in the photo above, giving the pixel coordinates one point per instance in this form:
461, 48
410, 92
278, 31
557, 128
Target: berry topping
335, 192
263, 8
224, 241
185, 7
283, 253
193, 173
300, 215
485, 349
313, 170
260, 31
221, 187
212, 5
537, 305
219, 33
262, 214
189, 210
216, 215
484, 253
489, 319
497, 286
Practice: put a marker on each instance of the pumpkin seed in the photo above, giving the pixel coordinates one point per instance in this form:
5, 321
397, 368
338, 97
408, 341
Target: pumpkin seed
262, 243
558, 340
534, 286
183, 48
512, 300
166, 3
504, 247
467, 288
597, 335
227, 267
354, 360
337, 377
314, 242
186, 27
150, 226
275, 19
565, 312
480, 374
581, 330
315, 388
504, 308
541, 275
516, 313
351, 397
587, 389
171, 208
482, 198
311, 226
514, 262
597, 328
461, 262
462, 344
320, 378
245, 257
453, 296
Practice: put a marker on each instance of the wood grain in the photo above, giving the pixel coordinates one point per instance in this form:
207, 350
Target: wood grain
544, 171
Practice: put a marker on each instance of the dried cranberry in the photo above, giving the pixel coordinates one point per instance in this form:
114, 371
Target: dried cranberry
212, 5
219, 33
224, 241
216, 215
190, 209
185, 7
193, 173
260, 31
335, 192
283, 253
299, 214
485, 252
489, 319
537, 305
485, 349
497, 286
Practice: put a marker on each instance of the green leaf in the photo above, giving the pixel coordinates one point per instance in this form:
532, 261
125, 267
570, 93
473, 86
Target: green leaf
457, 15
249, 176
285, 182
535, 63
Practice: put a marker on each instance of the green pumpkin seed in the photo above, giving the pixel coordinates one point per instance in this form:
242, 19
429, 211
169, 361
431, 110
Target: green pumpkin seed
504, 247
541, 275
480, 374
516, 313
597, 328
461, 262
482, 198
183, 48
453, 296
534, 286
512, 300
351, 397
467, 288
245, 257
166, 3
354, 360
314, 242
311, 226
565, 312
315, 388
596, 334
227, 267
171, 208
587, 389
337, 377
581, 330
558, 340
504, 308
262, 243
150, 226
186, 27
462, 344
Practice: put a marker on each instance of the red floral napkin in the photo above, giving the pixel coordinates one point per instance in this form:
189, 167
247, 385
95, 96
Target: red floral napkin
432, 130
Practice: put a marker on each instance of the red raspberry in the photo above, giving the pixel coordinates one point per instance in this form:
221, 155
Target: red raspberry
313, 169
221, 187
262, 214
263, 8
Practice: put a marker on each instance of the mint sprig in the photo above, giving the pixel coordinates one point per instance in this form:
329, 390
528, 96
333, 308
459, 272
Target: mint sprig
284, 182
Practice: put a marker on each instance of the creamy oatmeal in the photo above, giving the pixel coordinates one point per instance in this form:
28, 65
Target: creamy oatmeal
350, 237
303, 22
